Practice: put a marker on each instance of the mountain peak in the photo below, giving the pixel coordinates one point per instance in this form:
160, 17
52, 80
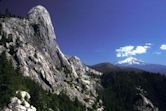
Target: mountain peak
40, 15
130, 61
38, 11
31, 46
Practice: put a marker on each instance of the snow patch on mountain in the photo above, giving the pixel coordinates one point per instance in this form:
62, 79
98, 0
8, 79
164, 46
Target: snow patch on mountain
130, 61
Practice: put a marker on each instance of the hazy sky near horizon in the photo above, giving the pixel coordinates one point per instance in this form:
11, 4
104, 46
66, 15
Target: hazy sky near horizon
105, 30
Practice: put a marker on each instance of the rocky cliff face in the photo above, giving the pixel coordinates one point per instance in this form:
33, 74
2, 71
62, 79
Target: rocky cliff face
142, 103
31, 45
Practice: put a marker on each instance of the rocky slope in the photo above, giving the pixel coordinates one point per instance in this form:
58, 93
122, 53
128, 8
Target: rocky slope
30, 43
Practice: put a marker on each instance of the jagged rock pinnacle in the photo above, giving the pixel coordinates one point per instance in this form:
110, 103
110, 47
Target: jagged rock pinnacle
30, 44
40, 15
44, 37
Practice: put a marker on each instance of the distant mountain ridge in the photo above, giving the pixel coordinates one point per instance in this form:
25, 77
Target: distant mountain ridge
107, 67
135, 63
154, 68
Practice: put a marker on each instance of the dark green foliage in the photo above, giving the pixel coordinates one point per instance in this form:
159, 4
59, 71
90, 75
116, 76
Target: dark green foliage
7, 80
11, 81
120, 89
7, 14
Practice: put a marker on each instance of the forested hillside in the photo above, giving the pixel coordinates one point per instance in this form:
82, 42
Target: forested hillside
123, 86
121, 89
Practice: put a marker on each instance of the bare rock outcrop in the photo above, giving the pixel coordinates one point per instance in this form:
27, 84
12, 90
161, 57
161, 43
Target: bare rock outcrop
142, 103
20, 102
31, 44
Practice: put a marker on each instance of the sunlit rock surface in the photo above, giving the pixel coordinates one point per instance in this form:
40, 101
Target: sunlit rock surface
20, 102
31, 45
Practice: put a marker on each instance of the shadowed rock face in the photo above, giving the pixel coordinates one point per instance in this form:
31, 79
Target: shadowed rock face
31, 44
142, 103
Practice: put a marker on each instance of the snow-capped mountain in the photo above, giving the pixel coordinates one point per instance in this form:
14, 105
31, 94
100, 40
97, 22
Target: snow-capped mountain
130, 61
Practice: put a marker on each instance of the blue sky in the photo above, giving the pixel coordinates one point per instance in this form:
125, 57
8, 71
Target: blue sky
94, 29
